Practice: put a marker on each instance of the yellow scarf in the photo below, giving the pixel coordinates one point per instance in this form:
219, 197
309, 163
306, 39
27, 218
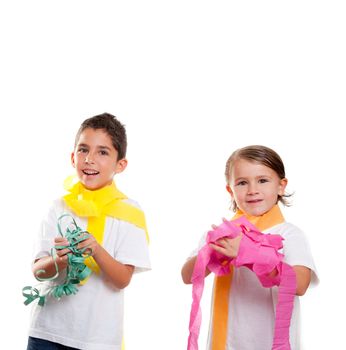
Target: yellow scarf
222, 284
96, 206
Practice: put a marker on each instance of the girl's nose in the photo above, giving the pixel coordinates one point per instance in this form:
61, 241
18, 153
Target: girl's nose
252, 189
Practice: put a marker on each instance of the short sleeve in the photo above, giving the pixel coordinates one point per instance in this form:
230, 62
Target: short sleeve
201, 244
297, 249
133, 246
47, 232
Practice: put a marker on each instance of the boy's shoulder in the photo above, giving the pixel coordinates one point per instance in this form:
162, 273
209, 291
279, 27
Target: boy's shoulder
132, 202
59, 203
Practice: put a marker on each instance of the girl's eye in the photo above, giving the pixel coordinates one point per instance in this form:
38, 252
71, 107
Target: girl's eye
241, 183
262, 181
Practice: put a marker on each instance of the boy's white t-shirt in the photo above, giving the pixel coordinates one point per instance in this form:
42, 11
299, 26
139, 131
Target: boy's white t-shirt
251, 314
92, 319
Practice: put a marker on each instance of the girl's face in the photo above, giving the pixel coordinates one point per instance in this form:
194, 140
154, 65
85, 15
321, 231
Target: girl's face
255, 187
96, 159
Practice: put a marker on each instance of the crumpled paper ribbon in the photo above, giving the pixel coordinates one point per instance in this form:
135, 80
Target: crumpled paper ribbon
76, 270
258, 252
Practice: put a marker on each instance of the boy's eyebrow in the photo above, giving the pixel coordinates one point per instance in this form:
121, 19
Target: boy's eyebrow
104, 147
100, 146
82, 145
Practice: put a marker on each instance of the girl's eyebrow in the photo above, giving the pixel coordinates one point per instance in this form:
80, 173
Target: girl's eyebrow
256, 177
240, 178
260, 176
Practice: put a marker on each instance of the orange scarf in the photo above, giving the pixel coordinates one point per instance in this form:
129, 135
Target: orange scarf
222, 284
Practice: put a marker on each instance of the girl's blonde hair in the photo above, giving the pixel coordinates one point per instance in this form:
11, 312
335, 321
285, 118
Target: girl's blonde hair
263, 155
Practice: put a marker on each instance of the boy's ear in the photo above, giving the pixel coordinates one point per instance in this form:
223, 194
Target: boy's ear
121, 165
72, 159
282, 186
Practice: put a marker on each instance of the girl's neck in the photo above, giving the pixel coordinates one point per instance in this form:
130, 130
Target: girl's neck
269, 219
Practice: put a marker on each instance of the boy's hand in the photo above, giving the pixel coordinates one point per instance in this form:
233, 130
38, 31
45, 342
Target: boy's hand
91, 245
62, 252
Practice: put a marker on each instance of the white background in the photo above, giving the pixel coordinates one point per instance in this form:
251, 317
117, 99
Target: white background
192, 81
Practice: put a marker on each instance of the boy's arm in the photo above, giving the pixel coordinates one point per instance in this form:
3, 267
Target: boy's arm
119, 274
45, 267
187, 270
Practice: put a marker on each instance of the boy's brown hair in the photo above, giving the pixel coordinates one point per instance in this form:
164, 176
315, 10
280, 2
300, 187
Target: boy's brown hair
112, 127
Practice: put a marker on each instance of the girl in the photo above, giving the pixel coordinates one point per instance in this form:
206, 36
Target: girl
243, 311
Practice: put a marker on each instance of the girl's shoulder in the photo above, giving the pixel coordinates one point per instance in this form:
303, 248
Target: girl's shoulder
286, 229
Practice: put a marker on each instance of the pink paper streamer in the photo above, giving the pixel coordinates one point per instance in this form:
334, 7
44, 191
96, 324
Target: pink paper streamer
258, 252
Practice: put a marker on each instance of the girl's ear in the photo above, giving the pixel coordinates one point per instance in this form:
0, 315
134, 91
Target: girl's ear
282, 186
121, 166
229, 190
72, 160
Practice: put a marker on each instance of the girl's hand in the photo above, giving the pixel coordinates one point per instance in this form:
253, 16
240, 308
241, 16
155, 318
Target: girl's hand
227, 246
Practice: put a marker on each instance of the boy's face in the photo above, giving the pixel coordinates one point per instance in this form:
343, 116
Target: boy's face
96, 159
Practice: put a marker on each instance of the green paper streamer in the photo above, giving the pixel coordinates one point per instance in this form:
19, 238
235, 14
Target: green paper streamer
76, 270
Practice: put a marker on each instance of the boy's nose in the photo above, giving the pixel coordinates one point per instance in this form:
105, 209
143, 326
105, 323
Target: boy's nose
88, 159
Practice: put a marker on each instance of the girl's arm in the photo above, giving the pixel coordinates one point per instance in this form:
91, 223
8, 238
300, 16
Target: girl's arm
303, 275
230, 247
187, 270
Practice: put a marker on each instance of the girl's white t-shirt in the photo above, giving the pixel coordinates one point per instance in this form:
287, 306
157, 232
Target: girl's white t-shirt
251, 313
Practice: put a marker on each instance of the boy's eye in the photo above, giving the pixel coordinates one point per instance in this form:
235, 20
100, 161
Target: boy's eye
82, 150
262, 181
241, 183
104, 153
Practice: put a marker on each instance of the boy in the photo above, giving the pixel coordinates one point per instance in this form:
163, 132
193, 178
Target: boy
92, 319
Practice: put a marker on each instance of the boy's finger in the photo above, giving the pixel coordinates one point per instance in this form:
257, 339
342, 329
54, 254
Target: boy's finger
61, 240
62, 252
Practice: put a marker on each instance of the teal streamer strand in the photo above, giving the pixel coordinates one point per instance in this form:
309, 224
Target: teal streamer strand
33, 295
76, 270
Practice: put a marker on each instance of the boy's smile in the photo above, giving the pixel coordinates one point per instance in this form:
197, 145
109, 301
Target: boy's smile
96, 159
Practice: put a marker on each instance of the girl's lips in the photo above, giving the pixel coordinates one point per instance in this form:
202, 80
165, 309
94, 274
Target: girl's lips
254, 201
